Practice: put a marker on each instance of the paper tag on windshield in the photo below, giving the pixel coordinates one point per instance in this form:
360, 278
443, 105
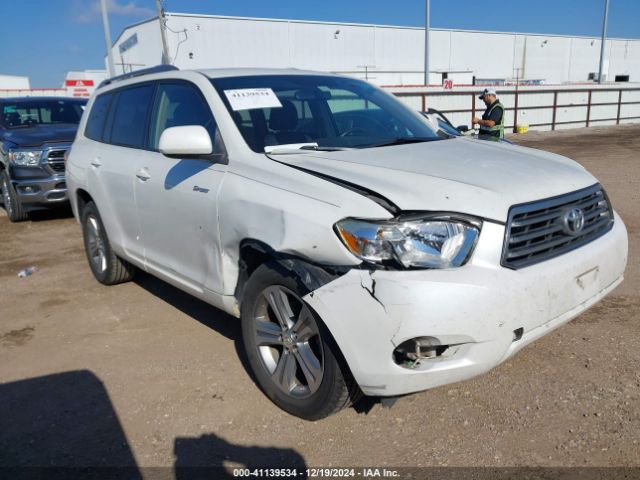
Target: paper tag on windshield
250, 98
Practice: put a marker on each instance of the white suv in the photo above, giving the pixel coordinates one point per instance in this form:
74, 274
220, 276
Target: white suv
363, 252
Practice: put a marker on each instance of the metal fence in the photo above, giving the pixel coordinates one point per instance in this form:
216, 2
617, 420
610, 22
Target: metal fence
34, 92
517, 96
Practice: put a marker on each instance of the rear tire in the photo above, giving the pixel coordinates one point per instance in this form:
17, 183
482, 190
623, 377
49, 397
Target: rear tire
292, 354
12, 205
105, 265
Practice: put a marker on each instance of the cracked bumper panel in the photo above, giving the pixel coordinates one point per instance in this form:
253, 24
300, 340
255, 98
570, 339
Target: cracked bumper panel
476, 307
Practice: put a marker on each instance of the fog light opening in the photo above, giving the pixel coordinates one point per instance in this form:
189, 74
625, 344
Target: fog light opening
29, 189
409, 354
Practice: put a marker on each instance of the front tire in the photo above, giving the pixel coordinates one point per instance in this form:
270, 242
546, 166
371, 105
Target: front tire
292, 355
105, 265
12, 205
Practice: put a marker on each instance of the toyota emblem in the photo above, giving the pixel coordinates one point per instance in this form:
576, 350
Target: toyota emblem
573, 221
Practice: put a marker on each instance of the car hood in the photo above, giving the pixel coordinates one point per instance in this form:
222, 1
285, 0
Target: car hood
38, 135
457, 175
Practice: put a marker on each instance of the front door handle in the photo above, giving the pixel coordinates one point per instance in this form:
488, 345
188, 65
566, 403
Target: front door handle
143, 174
96, 162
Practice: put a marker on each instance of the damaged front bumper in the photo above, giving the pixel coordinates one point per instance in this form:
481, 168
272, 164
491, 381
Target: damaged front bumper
480, 314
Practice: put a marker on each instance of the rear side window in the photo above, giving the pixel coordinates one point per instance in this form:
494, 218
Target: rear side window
130, 118
177, 105
98, 117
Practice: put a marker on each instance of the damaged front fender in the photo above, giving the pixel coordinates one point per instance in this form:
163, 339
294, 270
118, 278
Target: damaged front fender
310, 276
283, 213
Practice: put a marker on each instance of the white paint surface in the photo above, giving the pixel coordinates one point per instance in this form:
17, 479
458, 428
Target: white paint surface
191, 238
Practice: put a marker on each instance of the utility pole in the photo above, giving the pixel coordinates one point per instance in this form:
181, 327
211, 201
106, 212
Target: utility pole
163, 33
515, 109
107, 37
604, 38
426, 43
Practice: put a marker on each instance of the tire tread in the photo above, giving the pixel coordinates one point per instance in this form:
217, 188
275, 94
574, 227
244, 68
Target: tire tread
18, 213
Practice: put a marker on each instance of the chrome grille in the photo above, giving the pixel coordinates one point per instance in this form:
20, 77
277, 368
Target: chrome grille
55, 159
56, 154
544, 229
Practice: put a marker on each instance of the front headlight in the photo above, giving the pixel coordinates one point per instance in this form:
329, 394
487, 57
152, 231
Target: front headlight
25, 158
412, 241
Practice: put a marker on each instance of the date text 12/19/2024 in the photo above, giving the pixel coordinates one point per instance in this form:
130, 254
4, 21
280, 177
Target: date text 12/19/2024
316, 472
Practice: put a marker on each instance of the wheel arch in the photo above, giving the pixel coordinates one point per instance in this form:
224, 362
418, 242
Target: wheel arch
300, 272
82, 198
309, 275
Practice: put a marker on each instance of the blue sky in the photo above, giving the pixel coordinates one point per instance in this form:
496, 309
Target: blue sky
43, 39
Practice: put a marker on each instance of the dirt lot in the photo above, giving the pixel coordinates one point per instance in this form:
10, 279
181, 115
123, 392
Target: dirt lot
142, 374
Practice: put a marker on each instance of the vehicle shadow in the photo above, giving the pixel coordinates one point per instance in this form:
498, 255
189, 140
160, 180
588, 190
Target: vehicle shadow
204, 313
57, 213
183, 170
208, 315
204, 458
62, 426
220, 322
44, 215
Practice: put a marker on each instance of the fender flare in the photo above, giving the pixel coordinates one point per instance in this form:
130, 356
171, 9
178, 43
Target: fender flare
309, 275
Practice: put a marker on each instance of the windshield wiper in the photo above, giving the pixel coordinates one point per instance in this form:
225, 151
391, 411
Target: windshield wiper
401, 141
319, 148
296, 147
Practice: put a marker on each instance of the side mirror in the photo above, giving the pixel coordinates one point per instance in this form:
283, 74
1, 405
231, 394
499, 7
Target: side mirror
188, 140
463, 128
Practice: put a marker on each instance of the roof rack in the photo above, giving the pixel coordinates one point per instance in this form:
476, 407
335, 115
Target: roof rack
138, 73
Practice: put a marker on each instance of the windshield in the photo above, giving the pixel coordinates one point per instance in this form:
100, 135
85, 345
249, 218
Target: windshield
326, 112
44, 112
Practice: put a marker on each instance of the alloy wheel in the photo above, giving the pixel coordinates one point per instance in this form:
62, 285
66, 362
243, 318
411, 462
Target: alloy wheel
6, 197
288, 341
95, 244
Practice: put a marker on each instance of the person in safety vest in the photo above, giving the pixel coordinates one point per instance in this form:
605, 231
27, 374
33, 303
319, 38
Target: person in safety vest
492, 121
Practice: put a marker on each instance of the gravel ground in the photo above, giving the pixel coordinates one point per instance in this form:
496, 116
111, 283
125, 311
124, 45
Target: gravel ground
141, 374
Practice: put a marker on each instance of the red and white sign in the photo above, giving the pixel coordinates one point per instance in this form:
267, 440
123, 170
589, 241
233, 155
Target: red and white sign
447, 84
78, 83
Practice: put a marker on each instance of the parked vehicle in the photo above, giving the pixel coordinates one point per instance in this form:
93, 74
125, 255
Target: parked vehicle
35, 133
363, 252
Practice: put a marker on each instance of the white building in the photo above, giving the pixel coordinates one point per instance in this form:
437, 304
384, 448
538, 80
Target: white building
13, 82
80, 84
386, 55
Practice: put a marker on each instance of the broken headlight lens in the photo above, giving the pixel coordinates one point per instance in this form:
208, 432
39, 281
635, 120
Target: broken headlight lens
25, 158
411, 241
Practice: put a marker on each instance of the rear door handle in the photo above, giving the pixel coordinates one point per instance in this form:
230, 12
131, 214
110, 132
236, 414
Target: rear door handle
143, 174
96, 162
